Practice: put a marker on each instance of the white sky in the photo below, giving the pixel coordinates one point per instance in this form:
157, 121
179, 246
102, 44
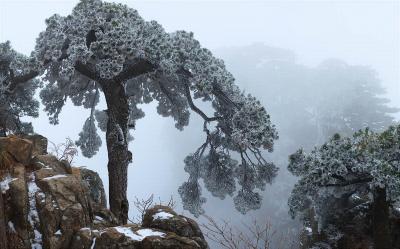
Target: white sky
359, 32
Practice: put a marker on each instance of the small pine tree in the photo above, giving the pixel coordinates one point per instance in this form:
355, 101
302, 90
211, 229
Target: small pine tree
362, 167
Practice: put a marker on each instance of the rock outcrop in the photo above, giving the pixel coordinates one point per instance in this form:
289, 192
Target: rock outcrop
46, 203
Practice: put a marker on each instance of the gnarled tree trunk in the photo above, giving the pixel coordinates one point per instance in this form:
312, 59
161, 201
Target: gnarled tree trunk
119, 156
380, 222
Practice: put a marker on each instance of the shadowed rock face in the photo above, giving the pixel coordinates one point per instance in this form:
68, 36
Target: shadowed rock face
46, 203
95, 186
349, 226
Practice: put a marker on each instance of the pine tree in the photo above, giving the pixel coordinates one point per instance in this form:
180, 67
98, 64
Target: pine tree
107, 48
363, 168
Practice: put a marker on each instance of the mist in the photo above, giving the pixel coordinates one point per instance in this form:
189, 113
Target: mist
283, 52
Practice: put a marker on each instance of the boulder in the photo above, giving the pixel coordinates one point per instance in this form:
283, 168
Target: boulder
135, 237
95, 185
14, 153
164, 218
46, 203
20, 149
51, 163
63, 206
17, 211
97, 197
39, 144
84, 238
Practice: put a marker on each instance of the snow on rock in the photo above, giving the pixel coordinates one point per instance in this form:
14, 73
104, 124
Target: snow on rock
42, 197
94, 243
11, 226
33, 216
161, 215
98, 218
126, 231
149, 232
44, 166
5, 183
53, 177
140, 234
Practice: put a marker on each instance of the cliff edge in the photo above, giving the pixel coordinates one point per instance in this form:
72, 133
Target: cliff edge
47, 204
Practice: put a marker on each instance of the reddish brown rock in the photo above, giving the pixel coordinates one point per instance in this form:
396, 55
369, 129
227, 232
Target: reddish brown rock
43, 201
63, 207
20, 149
166, 219
50, 162
39, 144
83, 238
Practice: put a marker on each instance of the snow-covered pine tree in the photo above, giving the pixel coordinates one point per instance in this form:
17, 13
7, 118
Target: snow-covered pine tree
365, 168
17, 89
107, 48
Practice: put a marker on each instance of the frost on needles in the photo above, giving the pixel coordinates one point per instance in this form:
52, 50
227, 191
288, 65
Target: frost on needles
107, 48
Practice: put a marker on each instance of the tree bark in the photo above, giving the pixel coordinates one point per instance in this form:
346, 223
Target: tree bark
380, 222
3, 236
119, 156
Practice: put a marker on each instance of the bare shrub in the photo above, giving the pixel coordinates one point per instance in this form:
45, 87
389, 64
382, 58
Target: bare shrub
142, 205
64, 151
253, 235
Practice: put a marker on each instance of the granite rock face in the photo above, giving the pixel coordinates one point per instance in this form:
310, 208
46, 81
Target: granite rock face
47, 204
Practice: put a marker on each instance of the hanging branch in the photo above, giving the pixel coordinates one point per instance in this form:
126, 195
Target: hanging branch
195, 108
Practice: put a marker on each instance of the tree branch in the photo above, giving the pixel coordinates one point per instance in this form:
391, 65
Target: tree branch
219, 94
350, 182
222, 96
195, 108
15, 80
86, 71
166, 92
134, 70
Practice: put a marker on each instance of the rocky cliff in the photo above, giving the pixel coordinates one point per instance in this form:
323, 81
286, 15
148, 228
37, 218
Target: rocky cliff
46, 203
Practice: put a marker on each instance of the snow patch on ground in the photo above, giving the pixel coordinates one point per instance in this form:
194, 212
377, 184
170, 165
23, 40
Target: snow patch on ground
140, 234
53, 177
33, 216
161, 215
